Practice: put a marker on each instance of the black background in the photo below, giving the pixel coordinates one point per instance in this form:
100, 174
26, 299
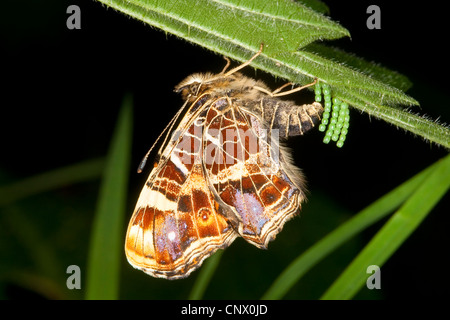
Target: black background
62, 89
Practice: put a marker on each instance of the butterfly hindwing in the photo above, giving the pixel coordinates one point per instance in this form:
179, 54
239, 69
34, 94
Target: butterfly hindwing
243, 166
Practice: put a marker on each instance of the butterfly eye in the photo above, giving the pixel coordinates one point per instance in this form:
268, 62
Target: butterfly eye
195, 88
188, 91
191, 89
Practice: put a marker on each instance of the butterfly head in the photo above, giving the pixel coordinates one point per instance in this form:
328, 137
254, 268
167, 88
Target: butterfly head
197, 84
217, 85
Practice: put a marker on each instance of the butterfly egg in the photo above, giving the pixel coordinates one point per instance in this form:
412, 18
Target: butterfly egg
318, 92
345, 116
335, 117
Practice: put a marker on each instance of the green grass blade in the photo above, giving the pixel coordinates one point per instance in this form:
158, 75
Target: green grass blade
33, 242
79, 172
393, 233
336, 238
106, 245
205, 275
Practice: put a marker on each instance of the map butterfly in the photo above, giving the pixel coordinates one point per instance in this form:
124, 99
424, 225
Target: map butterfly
220, 173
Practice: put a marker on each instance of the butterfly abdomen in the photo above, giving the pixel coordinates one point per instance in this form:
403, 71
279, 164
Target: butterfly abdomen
288, 118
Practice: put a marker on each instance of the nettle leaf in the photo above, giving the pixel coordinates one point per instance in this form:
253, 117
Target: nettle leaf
288, 29
370, 69
226, 25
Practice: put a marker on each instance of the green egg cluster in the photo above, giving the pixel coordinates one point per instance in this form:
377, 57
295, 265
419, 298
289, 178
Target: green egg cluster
335, 118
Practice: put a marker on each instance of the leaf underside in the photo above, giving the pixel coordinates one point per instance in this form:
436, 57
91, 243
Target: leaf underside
290, 32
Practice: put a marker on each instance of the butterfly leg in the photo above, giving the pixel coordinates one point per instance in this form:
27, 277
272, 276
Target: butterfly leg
277, 93
245, 63
226, 66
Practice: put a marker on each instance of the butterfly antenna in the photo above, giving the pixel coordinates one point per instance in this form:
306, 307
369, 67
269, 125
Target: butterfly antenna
169, 126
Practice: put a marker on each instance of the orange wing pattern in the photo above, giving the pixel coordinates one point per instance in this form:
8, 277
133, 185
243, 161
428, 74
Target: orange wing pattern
248, 172
177, 221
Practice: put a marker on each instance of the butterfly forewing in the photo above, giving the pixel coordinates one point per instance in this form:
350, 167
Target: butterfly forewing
176, 223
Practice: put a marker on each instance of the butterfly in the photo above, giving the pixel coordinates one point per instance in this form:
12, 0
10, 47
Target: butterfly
220, 173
